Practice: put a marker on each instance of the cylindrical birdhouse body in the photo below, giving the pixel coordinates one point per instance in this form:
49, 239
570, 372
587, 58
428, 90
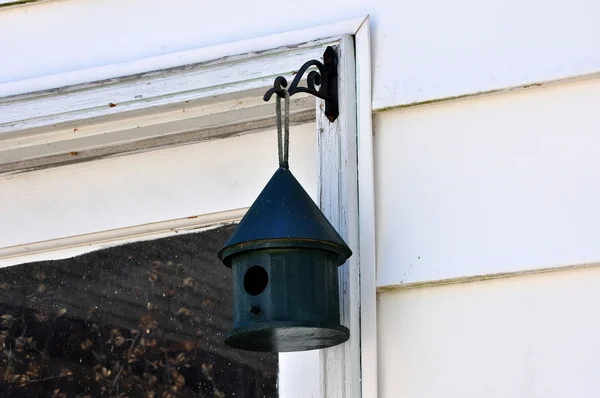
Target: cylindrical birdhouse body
288, 293
285, 257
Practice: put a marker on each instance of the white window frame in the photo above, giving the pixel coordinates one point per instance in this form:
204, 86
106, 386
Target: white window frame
40, 119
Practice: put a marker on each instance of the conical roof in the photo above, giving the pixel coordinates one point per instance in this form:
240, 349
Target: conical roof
284, 215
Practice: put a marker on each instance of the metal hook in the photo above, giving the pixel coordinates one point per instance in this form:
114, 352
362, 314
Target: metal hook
325, 78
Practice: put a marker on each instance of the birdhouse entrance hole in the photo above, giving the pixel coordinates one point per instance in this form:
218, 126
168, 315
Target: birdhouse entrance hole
255, 280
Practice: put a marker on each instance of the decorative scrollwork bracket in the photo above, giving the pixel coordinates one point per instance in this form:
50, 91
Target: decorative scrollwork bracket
325, 77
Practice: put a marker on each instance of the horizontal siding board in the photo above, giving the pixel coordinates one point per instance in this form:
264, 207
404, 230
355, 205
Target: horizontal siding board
490, 185
522, 337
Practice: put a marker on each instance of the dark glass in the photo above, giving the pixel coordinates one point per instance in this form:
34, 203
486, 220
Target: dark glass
145, 319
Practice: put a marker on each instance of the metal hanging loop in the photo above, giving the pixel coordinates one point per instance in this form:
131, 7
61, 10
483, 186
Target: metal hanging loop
283, 129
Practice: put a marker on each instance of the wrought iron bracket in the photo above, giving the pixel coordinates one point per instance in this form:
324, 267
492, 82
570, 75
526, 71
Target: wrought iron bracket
325, 77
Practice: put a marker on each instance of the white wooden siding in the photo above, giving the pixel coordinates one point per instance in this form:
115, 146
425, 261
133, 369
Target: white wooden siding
519, 337
505, 183
423, 50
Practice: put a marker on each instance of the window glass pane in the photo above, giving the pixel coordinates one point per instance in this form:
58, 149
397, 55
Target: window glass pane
146, 319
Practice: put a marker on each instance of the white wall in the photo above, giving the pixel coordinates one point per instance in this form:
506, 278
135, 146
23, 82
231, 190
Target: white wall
481, 186
422, 50
475, 188
521, 337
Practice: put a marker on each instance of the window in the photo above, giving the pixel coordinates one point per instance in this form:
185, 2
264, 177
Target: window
145, 319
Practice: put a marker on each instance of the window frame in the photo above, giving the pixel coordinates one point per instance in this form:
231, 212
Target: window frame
33, 112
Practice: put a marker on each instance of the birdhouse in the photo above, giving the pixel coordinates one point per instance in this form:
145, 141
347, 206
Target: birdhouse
285, 257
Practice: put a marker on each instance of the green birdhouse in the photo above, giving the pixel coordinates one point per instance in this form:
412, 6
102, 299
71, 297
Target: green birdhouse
285, 257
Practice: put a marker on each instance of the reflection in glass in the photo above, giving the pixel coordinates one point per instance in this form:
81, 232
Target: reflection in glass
145, 319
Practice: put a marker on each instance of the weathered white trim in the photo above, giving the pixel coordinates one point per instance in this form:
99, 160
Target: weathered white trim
214, 99
163, 88
258, 45
17, 3
366, 213
338, 195
157, 101
148, 131
75, 245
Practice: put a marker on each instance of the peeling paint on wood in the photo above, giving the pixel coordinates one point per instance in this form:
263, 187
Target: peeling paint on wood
16, 3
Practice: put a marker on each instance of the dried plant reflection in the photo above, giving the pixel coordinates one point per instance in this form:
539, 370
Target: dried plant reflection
141, 320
